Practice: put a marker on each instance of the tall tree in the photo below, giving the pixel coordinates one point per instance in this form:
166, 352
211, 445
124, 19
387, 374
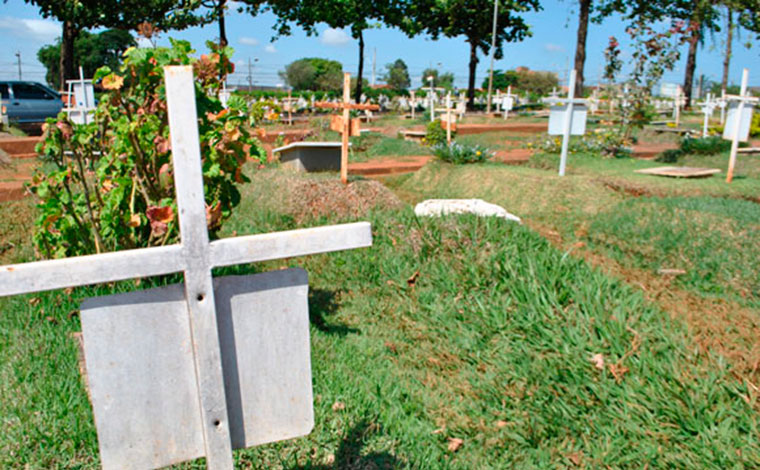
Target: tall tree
473, 19
357, 15
397, 75
79, 15
93, 50
580, 44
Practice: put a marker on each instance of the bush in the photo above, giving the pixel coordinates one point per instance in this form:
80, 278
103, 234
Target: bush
110, 184
605, 142
461, 153
435, 134
705, 146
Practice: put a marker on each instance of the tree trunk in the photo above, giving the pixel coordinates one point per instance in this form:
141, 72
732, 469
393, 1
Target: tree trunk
727, 58
222, 29
358, 91
580, 46
691, 63
471, 80
67, 68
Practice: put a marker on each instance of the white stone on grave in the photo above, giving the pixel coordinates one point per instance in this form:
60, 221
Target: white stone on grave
441, 207
203, 367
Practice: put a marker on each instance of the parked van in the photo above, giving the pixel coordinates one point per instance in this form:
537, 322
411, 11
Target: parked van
29, 102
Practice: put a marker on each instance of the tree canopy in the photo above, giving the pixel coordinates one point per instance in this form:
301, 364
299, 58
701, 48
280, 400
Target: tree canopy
313, 74
397, 75
473, 20
442, 80
91, 51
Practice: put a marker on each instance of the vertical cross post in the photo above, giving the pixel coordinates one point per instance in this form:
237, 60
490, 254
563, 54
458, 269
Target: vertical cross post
737, 126
346, 128
677, 109
707, 109
568, 124
290, 107
413, 102
430, 98
723, 107
448, 119
199, 288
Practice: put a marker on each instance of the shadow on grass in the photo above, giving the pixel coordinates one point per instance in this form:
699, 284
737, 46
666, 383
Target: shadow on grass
349, 455
323, 303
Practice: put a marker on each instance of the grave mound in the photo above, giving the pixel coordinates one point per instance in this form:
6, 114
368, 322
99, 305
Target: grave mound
313, 198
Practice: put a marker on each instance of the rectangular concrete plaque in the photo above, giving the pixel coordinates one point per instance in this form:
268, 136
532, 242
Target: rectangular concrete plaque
139, 355
557, 120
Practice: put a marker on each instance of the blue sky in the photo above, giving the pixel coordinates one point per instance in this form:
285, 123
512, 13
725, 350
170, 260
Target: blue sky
551, 47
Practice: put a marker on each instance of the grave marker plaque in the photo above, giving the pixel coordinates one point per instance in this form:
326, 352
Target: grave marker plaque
199, 368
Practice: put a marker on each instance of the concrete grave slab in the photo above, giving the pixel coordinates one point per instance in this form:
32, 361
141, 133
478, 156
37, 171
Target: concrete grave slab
679, 171
310, 156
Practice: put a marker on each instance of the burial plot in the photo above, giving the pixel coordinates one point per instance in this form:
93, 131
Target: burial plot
738, 121
199, 368
567, 117
343, 124
310, 156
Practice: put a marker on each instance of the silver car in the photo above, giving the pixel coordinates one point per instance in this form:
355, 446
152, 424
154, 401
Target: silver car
29, 102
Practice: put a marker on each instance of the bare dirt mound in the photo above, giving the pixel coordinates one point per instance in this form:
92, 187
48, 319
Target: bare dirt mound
317, 198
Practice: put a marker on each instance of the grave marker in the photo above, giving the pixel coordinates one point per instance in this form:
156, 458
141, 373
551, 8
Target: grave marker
199, 368
508, 102
413, 102
81, 103
708, 106
343, 123
738, 121
568, 119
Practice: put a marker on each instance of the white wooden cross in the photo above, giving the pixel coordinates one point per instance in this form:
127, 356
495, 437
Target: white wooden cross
738, 121
568, 119
344, 122
678, 101
413, 102
81, 103
508, 102
430, 98
199, 368
708, 106
449, 117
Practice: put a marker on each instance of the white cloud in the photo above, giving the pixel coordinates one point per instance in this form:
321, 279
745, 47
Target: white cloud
270, 48
30, 29
246, 41
554, 47
334, 37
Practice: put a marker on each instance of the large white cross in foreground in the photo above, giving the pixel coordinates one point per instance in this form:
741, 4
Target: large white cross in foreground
199, 368
567, 120
738, 121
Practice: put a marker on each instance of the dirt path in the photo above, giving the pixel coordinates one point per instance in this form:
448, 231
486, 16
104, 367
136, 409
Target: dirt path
650, 150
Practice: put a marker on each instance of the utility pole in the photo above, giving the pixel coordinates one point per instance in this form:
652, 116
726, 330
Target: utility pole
374, 61
18, 57
493, 46
250, 75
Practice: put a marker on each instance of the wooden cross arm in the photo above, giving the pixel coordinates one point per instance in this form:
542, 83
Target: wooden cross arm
326, 105
746, 99
130, 264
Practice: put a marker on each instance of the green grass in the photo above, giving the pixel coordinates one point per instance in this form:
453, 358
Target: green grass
713, 239
490, 343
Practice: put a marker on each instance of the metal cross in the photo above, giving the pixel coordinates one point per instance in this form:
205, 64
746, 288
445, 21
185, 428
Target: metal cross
195, 257
567, 124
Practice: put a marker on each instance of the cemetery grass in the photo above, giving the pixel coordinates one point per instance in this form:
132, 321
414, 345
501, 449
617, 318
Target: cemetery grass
453, 343
633, 227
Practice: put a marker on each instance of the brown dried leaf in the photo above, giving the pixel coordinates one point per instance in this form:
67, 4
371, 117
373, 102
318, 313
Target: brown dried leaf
413, 279
598, 361
338, 406
455, 443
